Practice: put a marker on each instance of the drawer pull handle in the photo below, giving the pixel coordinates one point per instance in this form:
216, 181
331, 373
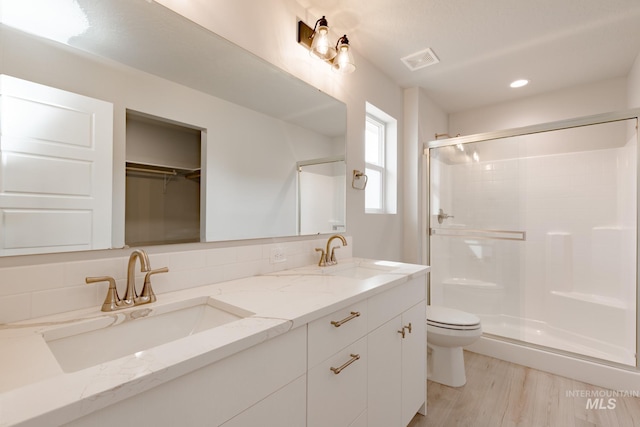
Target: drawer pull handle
403, 328
354, 357
338, 323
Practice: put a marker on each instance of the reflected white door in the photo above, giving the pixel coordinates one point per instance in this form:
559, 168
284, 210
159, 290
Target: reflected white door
56, 171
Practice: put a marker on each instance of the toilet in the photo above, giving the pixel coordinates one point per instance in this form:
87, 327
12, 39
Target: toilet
448, 330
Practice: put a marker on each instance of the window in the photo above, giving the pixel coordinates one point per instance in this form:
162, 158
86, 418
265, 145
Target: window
374, 165
380, 162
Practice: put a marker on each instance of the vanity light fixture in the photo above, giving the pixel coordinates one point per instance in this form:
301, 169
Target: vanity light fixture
316, 39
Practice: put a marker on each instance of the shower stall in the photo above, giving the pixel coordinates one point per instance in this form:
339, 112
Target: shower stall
535, 231
321, 195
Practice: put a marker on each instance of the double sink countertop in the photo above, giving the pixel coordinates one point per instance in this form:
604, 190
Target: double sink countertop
35, 390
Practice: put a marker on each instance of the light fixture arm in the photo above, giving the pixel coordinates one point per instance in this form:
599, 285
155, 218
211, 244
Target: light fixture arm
323, 23
343, 62
343, 40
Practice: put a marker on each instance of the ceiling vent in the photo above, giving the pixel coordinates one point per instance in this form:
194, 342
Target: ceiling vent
421, 59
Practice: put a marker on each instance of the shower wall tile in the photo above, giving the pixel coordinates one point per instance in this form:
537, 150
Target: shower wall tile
569, 193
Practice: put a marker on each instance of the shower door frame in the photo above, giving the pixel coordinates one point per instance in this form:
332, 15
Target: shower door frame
426, 216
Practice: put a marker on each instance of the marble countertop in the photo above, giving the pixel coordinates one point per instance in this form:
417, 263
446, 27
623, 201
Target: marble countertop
35, 391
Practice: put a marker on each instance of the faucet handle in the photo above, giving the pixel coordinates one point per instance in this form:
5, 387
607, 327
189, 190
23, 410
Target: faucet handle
112, 301
323, 258
333, 255
147, 295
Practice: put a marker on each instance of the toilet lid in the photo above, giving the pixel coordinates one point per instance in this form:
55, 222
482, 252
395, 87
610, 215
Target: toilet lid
450, 317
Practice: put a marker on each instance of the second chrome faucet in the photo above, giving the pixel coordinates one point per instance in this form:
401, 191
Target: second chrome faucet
113, 301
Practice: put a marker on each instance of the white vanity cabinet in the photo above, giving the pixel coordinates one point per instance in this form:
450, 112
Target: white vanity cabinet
383, 377
254, 384
284, 408
337, 396
352, 353
397, 355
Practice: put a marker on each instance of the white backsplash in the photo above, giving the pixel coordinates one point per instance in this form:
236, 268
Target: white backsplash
37, 290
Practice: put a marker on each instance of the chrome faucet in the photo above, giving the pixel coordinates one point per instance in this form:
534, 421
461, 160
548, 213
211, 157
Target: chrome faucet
113, 301
329, 258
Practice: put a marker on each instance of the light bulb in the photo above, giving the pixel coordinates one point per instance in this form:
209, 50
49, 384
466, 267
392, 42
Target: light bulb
343, 63
320, 45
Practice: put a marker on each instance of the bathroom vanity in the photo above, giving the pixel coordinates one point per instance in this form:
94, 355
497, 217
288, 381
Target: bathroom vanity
342, 345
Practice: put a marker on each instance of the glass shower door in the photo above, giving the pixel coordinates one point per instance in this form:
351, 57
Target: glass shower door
321, 196
536, 234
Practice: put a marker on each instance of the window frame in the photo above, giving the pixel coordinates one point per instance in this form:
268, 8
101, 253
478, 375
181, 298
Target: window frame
380, 167
389, 179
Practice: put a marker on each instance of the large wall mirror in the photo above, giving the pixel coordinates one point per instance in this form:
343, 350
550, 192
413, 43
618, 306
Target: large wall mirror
193, 115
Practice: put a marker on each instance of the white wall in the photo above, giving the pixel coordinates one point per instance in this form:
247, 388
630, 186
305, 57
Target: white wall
577, 101
423, 119
633, 84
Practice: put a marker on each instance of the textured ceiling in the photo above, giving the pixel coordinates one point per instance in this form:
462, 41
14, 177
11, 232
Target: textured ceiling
484, 45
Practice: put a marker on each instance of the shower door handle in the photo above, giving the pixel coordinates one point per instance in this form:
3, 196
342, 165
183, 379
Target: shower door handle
442, 216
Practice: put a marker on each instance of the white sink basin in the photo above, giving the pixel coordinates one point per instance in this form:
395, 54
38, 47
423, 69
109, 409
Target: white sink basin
121, 333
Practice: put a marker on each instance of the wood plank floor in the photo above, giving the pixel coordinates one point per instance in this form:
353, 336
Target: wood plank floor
499, 393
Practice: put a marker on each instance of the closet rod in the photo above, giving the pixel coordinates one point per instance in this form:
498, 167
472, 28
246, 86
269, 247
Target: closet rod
160, 172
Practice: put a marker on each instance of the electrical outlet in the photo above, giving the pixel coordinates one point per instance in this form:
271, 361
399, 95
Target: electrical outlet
277, 255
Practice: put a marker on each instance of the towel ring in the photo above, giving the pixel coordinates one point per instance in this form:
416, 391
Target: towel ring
357, 175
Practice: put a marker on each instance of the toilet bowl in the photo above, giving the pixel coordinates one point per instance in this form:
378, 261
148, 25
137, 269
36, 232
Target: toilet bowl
448, 330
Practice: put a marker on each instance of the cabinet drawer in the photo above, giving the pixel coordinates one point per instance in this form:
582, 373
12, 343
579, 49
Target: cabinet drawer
325, 338
391, 303
337, 400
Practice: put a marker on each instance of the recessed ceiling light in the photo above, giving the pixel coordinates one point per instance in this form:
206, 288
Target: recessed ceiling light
519, 83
